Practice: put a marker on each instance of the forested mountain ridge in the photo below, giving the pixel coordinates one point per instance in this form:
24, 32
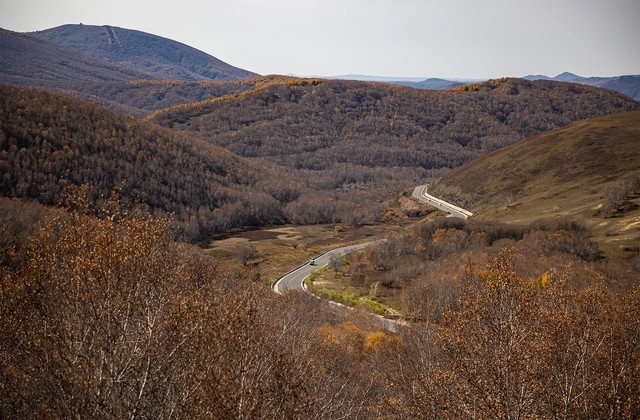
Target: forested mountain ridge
160, 57
51, 145
315, 124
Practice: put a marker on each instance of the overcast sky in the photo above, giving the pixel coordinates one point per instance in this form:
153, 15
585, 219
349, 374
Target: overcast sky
422, 38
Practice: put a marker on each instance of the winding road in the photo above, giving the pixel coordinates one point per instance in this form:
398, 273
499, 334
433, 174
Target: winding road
294, 280
420, 192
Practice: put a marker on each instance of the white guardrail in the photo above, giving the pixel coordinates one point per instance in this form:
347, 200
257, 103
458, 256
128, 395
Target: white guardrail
420, 192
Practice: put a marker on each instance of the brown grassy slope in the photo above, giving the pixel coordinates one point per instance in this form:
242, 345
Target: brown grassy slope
564, 172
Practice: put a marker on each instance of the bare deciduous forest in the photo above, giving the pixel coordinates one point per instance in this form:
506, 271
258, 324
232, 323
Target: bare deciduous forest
321, 125
107, 311
314, 151
111, 318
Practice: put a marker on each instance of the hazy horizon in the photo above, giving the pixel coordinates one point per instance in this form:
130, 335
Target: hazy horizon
460, 39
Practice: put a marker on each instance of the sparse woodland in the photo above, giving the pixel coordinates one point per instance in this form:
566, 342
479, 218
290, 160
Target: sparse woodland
111, 318
106, 313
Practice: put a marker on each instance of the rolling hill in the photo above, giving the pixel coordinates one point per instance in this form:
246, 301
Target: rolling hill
51, 145
78, 61
316, 124
628, 84
28, 60
160, 57
565, 172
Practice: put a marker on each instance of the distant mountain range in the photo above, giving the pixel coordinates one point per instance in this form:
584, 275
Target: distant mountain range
628, 85
70, 56
432, 83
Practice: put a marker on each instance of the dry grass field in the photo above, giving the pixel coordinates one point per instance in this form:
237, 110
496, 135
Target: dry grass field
569, 172
282, 248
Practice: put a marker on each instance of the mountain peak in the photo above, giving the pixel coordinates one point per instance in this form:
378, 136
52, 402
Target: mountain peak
566, 77
148, 53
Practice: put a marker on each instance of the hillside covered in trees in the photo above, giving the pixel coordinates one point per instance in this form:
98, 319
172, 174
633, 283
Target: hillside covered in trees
109, 317
50, 146
323, 125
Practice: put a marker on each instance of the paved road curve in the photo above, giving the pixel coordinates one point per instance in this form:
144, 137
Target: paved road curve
295, 279
420, 193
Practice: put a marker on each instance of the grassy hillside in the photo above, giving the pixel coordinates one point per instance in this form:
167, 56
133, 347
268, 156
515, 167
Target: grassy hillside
160, 57
570, 171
